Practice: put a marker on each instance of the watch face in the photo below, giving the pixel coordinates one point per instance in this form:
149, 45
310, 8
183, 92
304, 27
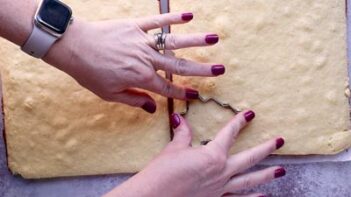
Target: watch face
54, 15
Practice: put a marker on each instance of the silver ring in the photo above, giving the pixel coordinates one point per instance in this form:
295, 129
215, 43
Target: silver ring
160, 41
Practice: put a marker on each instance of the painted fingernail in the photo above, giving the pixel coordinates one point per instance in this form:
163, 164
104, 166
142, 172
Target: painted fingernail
218, 70
249, 116
279, 143
191, 94
187, 16
175, 120
149, 107
262, 196
279, 172
212, 39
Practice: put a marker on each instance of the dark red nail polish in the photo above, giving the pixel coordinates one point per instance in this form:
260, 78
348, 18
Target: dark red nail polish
279, 143
262, 196
218, 70
191, 94
175, 120
212, 39
279, 172
187, 16
149, 107
249, 116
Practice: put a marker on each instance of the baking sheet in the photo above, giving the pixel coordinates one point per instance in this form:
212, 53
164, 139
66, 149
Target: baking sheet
298, 183
344, 156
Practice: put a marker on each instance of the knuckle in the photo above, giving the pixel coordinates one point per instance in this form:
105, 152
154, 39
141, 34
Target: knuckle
235, 126
220, 152
155, 58
146, 76
247, 183
214, 162
171, 42
133, 24
167, 89
252, 160
180, 66
156, 22
147, 57
130, 25
221, 160
144, 48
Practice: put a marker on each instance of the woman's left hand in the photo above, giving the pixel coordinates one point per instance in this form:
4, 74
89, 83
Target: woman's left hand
117, 60
206, 171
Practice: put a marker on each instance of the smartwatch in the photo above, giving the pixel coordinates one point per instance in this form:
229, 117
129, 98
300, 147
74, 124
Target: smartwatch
50, 23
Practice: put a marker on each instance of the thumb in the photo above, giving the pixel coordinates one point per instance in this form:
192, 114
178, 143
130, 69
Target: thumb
136, 98
182, 133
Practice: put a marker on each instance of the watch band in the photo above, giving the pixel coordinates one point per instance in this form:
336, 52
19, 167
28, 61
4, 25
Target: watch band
38, 43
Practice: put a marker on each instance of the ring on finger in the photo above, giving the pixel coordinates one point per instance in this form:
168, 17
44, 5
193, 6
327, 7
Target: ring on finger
160, 41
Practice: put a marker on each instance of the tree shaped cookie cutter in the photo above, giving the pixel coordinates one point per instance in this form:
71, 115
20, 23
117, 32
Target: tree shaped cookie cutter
210, 99
204, 100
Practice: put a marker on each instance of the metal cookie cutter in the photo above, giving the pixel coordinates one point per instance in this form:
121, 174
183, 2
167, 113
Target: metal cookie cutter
221, 104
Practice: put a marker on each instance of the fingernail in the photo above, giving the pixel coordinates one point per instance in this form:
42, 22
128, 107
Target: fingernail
191, 94
175, 120
279, 143
218, 70
149, 107
279, 172
187, 16
249, 116
262, 196
212, 39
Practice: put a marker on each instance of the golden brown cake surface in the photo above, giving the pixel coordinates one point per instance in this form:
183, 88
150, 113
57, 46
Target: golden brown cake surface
285, 59
54, 127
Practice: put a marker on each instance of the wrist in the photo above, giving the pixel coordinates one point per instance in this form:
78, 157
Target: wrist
135, 186
17, 28
62, 52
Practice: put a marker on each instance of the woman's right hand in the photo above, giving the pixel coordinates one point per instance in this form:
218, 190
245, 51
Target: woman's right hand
205, 171
115, 59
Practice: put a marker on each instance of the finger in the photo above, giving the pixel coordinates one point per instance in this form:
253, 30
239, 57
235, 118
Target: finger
246, 195
247, 181
158, 21
136, 99
185, 41
228, 134
164, 87
185, 67
248, 158
182, 133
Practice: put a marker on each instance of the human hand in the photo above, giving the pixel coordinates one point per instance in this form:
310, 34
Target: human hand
206, 171
112, 58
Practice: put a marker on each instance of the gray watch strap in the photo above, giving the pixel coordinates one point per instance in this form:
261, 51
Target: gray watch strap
38, 43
